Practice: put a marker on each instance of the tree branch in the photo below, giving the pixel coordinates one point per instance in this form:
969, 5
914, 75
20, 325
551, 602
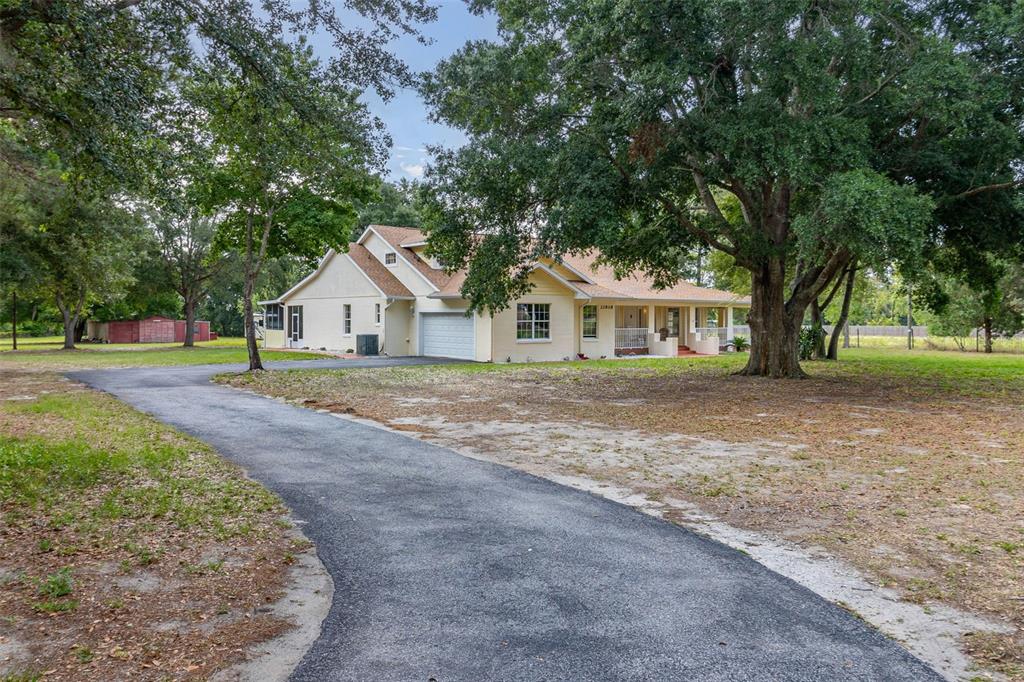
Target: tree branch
682, 219
985, 188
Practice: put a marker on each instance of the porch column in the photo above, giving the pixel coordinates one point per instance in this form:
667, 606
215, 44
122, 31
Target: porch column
652, 333
691, 332
728, 323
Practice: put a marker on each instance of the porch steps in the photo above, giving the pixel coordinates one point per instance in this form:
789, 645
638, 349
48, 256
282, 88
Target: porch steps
685, 350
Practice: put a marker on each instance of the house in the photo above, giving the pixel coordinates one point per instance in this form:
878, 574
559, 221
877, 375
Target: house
387, 294
154, 329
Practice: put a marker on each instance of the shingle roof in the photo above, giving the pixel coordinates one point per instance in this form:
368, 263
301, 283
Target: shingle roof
396, 236
377, 272
605, 284
639, 286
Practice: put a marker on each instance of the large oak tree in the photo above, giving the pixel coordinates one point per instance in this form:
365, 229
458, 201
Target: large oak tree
621, 124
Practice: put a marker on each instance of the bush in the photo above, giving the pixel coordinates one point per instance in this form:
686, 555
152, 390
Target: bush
740, 343
29, 328
810, 337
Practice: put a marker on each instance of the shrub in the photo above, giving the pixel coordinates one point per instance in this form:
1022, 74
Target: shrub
740, 343
810, 337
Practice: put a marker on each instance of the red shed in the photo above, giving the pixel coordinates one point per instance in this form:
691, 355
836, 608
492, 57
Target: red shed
151, 330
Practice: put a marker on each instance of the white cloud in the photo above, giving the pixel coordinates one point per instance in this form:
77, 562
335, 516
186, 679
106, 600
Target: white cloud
413, 169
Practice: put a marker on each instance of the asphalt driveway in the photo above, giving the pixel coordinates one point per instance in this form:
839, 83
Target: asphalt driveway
449, 568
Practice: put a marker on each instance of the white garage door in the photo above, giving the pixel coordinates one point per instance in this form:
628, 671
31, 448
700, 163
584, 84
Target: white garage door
447, 335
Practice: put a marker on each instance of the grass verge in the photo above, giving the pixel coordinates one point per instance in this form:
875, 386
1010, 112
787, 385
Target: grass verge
128, 550
45, 354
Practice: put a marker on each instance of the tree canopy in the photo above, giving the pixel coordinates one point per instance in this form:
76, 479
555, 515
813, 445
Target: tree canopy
97, 81
216, 110
285, 174
842, 130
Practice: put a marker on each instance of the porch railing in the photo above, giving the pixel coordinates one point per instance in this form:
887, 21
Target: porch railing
721, 333
631, 337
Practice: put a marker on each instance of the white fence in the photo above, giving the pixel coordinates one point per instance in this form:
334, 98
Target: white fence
920, 331
891, 336
631, 337
719, 333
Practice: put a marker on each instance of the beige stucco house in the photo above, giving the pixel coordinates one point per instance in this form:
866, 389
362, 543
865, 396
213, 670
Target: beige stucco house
387, 287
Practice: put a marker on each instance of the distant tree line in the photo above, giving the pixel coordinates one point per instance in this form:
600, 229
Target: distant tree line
176, 158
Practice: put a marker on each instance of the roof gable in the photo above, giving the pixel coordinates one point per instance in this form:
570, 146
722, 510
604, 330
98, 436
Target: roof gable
395, 237
377, 272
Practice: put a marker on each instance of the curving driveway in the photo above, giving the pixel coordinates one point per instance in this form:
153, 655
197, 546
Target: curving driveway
449, 568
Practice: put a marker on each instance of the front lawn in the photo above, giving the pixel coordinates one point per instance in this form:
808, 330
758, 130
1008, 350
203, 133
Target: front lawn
910, 465
46, 352
128, 550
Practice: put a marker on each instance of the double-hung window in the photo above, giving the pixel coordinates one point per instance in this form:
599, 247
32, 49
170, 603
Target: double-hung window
347, 317
376, 311
533, 322
590, 321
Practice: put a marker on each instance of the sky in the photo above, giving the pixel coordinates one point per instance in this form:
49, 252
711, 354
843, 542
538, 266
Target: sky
405, 114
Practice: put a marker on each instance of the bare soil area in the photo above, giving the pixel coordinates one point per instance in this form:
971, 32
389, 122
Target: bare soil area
918, 483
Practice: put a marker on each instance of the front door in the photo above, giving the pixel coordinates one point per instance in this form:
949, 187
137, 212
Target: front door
672, 317
295, 326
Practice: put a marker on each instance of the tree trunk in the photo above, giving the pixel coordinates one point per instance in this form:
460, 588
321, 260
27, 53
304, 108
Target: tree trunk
250, 326
250, 283
988, 334
14, 320
69, 321
70, 315
844, 315
253, 263
80, 327
190, 321
774, 330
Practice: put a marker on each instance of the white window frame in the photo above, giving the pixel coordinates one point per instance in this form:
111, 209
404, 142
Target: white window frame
346, 316
390, 259
583, 322
534, 322
376, 312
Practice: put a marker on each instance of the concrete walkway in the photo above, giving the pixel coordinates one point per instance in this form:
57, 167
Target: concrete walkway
449, 568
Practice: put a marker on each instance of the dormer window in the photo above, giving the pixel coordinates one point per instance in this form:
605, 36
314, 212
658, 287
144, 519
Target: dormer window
390, 258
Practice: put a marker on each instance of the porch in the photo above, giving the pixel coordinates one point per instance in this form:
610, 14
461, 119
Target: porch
672, 330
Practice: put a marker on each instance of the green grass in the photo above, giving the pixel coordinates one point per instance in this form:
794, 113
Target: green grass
965, 374
941, 365
56, 342
93, 460
48, 353
944, 366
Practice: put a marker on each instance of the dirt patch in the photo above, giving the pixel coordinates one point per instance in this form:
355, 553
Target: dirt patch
305, 605
917, 484
162, 562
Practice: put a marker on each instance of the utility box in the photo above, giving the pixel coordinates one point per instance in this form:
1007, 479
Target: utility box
366, 344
